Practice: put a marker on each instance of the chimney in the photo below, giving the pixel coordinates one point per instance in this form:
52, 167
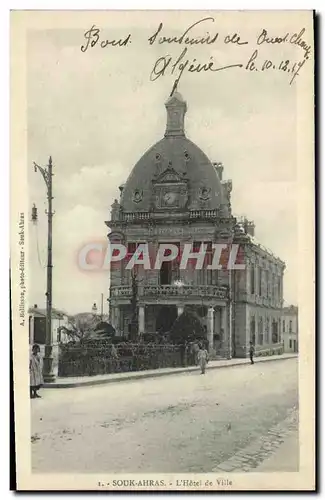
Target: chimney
219, 169
250, 227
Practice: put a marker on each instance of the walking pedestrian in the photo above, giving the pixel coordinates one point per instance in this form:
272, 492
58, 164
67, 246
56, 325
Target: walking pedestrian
251, 352
203, 358
35, 371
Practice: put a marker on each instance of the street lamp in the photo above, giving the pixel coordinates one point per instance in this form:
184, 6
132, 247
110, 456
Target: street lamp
48, 355
179, 284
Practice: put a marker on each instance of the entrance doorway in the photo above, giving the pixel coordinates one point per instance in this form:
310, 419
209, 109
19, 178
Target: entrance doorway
165, 318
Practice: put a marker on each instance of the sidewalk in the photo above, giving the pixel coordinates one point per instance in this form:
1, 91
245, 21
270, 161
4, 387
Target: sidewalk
68, 382
285, 458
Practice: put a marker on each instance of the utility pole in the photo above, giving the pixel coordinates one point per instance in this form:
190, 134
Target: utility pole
47, 175
101, 306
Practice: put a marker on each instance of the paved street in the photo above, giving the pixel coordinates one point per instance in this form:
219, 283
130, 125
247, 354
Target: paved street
180, 423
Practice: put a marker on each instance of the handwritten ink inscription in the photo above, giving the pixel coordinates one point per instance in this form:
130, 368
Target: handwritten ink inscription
183, 63
93, 37
255, 63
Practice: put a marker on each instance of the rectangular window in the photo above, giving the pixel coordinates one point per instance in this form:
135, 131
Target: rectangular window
260, 331
252, 273
290, 326
283, 326
267, 283
267, 330
253, 329
273, 286
196, 246
207, 262
290, 344
260, 282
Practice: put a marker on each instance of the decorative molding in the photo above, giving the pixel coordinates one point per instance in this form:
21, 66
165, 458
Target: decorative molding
204, 193
137, 195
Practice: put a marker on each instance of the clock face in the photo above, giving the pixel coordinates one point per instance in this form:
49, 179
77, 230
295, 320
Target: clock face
169, 198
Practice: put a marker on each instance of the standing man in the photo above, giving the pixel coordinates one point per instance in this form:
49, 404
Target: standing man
251, 352
203, 358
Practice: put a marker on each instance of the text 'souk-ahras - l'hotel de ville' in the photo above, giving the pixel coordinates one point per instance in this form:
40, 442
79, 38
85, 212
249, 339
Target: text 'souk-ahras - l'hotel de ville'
176, 194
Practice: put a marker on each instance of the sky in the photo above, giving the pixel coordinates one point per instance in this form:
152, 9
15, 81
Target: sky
97, 112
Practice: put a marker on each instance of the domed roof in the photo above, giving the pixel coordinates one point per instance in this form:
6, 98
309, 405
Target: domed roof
180, 157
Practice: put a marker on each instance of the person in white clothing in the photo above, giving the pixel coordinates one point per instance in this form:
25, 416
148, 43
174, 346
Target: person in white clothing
203, 358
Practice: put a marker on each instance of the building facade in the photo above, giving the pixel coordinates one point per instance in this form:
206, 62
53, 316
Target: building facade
37, 326
176, 195
290, 329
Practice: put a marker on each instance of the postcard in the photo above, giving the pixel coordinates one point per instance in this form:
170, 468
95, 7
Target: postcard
162, 250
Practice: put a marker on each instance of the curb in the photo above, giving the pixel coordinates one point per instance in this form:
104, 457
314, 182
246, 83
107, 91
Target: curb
143, 375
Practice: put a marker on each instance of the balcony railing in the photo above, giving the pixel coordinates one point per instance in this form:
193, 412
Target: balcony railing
203, 214
128, 216
218, 292
193, 214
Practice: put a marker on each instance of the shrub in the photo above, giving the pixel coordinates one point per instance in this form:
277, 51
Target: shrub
187, 325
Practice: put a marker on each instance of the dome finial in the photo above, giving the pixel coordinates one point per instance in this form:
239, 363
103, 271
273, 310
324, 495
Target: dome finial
176, 109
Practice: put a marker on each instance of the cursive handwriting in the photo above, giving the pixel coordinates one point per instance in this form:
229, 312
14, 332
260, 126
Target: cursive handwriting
292, 68
294, 39
92, 37
198, 40
181, 39
173, 65
167, 63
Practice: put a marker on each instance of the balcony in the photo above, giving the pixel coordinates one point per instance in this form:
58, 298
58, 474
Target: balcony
168, 291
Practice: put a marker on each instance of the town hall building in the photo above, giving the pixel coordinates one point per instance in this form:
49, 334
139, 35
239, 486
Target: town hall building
176, 194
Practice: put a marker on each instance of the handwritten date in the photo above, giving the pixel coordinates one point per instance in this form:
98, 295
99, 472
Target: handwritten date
257, 64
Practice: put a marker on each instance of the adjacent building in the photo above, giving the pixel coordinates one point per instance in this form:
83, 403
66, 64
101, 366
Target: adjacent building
290, 329
37, 325
176, 194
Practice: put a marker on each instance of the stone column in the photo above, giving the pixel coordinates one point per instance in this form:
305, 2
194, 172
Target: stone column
141, 318
180, 310
112, 315
115, 318
226, 341
210, 327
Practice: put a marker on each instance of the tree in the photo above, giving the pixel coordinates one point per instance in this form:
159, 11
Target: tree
187, 326
80, 327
